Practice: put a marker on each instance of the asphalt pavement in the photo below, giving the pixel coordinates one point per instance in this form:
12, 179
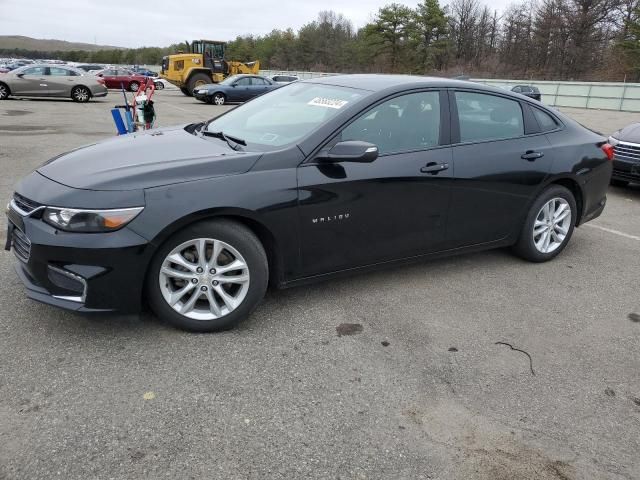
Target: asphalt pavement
479, 366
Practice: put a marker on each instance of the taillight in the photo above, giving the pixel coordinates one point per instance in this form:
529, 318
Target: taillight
607, 148
100, 80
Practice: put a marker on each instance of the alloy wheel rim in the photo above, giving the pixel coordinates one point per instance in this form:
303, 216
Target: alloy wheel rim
552, 225
219, 100
134, 87
3, 91
81, 94
204, 279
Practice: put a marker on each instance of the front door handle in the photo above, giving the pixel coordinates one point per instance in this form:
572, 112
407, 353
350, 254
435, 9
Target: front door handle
434, 168
531, 155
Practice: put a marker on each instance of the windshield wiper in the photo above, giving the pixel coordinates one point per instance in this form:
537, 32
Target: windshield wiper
233, 142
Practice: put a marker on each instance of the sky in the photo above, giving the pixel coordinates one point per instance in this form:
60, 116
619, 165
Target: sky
127, 23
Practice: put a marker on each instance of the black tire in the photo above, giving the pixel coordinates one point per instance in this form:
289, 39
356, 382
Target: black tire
80, 94
186, 91
240, 238
197, 80
619, 183
134, 86
525, 247
4, 91
218, 98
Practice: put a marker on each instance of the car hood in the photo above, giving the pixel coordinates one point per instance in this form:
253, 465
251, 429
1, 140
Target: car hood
147, 159
211, 86
630, 133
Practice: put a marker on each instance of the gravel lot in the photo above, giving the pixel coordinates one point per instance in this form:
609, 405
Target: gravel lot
286, 397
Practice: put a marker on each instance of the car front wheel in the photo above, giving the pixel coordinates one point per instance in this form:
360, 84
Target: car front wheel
134, 86
548, 226
219, 99
208, 277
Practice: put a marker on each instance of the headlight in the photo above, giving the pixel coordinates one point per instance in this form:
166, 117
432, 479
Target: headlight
76, 220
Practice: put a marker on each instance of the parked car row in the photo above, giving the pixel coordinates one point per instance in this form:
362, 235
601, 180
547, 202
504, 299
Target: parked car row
45, 80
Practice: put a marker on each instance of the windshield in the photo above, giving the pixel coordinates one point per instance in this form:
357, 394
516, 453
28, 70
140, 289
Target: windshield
284, 116
229, 80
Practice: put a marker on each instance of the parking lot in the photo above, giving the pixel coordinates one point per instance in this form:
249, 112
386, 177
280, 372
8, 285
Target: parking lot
428, 388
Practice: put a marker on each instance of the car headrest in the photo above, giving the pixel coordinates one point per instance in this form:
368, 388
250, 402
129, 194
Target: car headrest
502, 114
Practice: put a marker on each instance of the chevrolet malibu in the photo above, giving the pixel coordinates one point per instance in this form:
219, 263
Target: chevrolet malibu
318, 178
51, 81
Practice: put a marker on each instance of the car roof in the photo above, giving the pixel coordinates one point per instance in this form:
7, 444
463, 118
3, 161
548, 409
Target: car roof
380, 82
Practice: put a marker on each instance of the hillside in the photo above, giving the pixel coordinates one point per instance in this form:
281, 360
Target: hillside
9, 42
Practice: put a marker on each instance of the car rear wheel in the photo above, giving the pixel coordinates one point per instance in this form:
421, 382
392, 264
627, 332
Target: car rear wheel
208, 277
80, 94
134, 86
159, 85
198, 80
4, 91
548, 226
219, 99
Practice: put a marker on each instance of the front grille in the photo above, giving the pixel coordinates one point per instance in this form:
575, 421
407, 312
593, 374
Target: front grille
21, 245
627, 152
24, 204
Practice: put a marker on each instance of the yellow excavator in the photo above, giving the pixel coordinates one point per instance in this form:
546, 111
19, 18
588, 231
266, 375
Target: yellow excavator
204, 63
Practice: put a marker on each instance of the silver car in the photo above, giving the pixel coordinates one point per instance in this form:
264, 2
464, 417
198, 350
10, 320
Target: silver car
51, 81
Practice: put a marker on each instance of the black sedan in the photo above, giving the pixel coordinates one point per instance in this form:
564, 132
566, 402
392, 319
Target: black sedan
233, 89
528, 91
626, 159
319, 178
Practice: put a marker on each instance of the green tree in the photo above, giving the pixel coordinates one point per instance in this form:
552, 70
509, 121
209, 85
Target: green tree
430, 30
389, 33
630, 43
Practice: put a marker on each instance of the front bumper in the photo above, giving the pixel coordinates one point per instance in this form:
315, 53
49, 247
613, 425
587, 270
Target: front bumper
624, 170
84, 272
626, 161
203, 97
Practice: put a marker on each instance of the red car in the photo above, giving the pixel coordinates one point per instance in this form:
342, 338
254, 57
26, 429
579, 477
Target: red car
116, 77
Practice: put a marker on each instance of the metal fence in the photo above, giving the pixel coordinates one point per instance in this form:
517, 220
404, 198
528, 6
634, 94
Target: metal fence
592, 95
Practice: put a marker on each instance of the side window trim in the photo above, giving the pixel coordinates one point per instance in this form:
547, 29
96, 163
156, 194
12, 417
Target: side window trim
531, 125
559, 124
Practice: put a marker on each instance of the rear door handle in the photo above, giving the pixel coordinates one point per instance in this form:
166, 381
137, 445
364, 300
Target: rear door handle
434, 168
531, 155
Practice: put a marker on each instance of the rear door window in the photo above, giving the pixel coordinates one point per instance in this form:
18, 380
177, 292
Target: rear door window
488, 117
59, 72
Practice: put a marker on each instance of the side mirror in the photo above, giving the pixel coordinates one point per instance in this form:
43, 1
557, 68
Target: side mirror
351, 151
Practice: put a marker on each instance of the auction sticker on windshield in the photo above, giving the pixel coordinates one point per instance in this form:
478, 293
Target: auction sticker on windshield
328, 102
